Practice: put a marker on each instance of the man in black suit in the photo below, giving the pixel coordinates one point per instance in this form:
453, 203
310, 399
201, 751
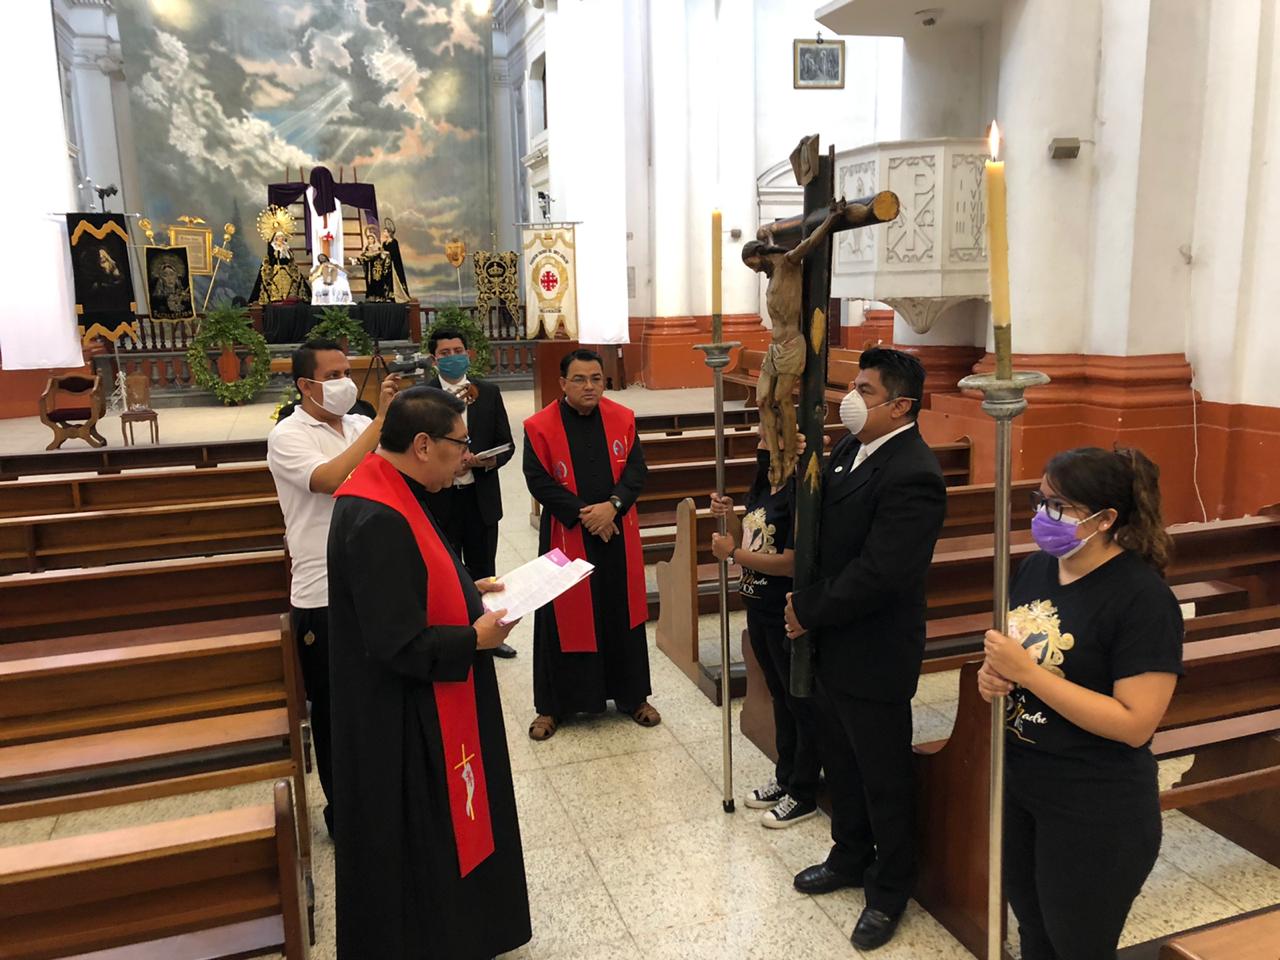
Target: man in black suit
883, 503
469, 511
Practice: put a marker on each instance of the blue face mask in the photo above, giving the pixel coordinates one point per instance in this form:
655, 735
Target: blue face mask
454, 366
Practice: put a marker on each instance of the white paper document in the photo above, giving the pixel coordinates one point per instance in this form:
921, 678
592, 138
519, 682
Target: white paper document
536, 583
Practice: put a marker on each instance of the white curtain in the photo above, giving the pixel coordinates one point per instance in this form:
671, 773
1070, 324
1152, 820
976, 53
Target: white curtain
37, 313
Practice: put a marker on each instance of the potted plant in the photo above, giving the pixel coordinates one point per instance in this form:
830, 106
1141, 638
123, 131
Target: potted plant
336, 324
223, 329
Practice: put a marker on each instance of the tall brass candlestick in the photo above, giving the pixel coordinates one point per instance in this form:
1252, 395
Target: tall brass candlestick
717, 321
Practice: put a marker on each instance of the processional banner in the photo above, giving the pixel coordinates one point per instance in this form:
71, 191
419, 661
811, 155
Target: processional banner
100, 266
551, 281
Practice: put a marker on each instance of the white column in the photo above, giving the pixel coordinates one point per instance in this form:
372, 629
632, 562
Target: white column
670, 143
637, 185
738, 164
585, 43
502, 147
1050, 202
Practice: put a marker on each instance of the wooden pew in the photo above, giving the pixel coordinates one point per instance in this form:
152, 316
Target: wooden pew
112, 460
221, 885
1252, 937
138, 595
121, 724
121, 535
27, 498
107, 460
952, 774
740, 377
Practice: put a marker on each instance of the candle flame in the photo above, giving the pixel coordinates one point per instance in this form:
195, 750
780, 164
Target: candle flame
993, 141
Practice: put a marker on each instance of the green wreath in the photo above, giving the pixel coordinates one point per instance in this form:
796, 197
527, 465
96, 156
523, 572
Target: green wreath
228, 326
453, 317
336, 324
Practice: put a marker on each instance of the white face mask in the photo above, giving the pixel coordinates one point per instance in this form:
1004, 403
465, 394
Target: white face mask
854, 410
339, 395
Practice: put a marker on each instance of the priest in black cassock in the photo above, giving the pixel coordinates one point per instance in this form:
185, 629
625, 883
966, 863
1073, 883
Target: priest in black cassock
428, 856
583, 464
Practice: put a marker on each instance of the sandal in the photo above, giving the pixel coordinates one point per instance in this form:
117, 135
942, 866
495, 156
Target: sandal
542, 728
646, 715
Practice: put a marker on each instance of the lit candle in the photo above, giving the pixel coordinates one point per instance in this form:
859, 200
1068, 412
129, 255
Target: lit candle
998, 256
716, 319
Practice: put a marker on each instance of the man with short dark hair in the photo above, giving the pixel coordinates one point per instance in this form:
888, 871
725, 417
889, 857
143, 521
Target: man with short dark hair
583, 464
883, 503
469, 510
427, 859
309, 453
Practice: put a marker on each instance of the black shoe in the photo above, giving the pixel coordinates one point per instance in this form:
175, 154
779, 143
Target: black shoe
822, 879
505, 651
874, 929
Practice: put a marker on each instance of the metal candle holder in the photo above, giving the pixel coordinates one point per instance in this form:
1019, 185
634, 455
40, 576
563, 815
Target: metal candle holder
717, 358
1003, 400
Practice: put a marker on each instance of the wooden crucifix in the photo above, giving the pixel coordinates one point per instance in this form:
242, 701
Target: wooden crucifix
795, 254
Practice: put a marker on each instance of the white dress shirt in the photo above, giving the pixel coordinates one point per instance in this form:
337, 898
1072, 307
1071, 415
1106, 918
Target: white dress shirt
295, 447
867, 449
466, 478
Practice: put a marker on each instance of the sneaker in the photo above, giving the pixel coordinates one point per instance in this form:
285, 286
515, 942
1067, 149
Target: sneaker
762, 798
788, 812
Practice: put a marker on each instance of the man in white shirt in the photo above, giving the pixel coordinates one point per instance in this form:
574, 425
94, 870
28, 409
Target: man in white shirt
310, 453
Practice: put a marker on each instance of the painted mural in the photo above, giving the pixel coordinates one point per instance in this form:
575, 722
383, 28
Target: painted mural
224, 97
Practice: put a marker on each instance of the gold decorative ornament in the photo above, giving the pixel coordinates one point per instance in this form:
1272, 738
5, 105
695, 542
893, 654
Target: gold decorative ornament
271, 221
455, 251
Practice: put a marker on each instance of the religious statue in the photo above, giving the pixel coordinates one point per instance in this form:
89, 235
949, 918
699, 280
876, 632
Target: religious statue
279, 277
375, 259
784, 361
329, 283
392, 246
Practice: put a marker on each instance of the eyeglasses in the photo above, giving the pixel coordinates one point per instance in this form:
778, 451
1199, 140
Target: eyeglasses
1053, 508
462, 442
581, 381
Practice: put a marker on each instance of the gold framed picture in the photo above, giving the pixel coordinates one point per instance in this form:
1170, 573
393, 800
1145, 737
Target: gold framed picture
199, 244
818, 64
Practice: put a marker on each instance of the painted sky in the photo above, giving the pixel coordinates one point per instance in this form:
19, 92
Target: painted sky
225, 96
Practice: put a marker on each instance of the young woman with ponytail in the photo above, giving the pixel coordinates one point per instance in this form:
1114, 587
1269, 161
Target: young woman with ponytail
1094, 652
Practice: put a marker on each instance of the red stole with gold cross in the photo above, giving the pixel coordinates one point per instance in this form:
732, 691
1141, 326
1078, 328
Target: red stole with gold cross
377, 480
575, 614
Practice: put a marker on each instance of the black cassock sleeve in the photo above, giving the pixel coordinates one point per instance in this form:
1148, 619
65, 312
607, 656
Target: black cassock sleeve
629, 485
564, 506
501, 430
389, 590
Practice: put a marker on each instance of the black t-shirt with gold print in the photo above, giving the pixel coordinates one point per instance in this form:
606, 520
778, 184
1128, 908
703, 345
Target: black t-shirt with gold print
1117, 621
766, 528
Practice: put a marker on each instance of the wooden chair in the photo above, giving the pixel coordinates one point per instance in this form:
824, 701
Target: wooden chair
222, 885
71, 407
137, 408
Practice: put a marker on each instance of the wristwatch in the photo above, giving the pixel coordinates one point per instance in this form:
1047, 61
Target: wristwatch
617, 504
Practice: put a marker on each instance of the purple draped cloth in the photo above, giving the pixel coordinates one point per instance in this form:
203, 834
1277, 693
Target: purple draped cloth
358, 195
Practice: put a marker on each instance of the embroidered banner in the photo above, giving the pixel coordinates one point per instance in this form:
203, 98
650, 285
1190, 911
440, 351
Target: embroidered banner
551, 281
100, 266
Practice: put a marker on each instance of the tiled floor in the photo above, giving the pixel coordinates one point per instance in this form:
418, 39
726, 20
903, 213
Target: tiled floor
628, 852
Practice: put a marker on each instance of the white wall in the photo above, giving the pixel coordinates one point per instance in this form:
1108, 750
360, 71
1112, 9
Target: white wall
869, 108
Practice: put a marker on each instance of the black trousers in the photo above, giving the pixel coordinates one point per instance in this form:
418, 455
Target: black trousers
866, 751
475, 542
1074, 858
794, 718
311, 634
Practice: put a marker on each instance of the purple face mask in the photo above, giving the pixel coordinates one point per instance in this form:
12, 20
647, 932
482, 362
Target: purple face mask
1058, 537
